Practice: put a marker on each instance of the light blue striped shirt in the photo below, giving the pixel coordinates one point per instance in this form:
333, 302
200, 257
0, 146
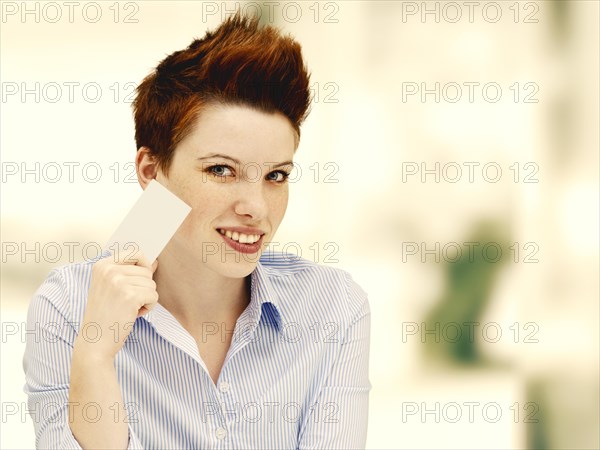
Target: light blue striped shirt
295, 375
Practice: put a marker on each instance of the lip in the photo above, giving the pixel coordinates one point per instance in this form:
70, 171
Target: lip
239, 247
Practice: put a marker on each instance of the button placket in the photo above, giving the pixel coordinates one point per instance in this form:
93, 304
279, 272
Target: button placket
227, 403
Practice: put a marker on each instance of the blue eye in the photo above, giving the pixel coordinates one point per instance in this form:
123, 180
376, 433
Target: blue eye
220, 170
278, 176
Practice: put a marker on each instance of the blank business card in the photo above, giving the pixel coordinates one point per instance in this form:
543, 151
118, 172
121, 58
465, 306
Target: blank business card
152, 222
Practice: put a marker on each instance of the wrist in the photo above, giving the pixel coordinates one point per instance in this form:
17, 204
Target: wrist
91, 354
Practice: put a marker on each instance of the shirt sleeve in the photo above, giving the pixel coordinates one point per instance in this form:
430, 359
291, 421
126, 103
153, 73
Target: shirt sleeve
340, 416
50, 337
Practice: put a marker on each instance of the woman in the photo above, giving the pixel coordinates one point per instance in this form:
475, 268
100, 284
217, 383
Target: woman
207, 349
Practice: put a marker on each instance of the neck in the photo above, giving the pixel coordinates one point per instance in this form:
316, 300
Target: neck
195, 294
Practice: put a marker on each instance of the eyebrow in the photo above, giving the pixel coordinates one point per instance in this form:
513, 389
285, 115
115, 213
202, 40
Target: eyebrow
237, 161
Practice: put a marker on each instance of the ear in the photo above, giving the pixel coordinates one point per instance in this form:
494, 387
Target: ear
146, 166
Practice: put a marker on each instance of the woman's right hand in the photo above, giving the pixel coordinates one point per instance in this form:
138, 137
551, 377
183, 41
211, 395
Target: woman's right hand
121, 290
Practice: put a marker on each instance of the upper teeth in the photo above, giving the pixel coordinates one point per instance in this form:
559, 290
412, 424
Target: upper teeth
241, 237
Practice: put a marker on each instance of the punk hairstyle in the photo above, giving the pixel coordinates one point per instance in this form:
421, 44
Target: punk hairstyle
238, 63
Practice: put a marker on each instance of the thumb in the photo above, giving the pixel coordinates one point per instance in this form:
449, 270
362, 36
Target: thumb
154, 266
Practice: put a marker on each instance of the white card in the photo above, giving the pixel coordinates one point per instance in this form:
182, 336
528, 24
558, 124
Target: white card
152, 222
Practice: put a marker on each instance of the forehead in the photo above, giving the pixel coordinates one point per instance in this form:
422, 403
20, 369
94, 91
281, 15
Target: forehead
242, 132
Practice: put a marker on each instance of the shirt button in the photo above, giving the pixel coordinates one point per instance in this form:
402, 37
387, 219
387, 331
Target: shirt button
224, 386
221, 433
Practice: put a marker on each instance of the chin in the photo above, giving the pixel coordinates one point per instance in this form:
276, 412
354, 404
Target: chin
234, 265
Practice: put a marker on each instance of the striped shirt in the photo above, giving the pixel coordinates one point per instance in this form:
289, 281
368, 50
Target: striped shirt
295, 375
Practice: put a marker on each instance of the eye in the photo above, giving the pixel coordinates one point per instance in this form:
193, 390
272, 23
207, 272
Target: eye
220, 170
278, 176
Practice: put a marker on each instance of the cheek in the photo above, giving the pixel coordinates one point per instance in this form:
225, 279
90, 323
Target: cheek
207, 203
204, 202
199, 223
200, 194
279, 204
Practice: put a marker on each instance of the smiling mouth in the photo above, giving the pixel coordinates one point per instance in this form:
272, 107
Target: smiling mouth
240, 237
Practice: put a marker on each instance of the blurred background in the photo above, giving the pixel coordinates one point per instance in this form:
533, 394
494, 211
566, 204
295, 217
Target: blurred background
450, 164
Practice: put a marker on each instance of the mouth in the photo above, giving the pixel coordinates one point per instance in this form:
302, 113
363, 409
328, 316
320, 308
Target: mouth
242, 242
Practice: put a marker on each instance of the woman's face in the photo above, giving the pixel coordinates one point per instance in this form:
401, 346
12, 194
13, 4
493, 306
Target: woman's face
232, 170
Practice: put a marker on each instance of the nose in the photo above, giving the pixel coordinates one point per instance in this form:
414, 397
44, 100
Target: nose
251, 201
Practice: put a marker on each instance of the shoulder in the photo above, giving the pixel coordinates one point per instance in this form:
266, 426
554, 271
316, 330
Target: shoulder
306, 286
63, 292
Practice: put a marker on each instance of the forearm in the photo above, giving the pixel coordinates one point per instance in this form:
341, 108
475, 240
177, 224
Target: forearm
94, 382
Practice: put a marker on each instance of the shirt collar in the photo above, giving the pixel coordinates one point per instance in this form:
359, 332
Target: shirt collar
264, 305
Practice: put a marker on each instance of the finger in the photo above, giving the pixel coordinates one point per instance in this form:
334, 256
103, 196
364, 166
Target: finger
130, 253
150, 306
141, 281
140, 296
147, 307
132, 271
143, 311
154, 266
143, 261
